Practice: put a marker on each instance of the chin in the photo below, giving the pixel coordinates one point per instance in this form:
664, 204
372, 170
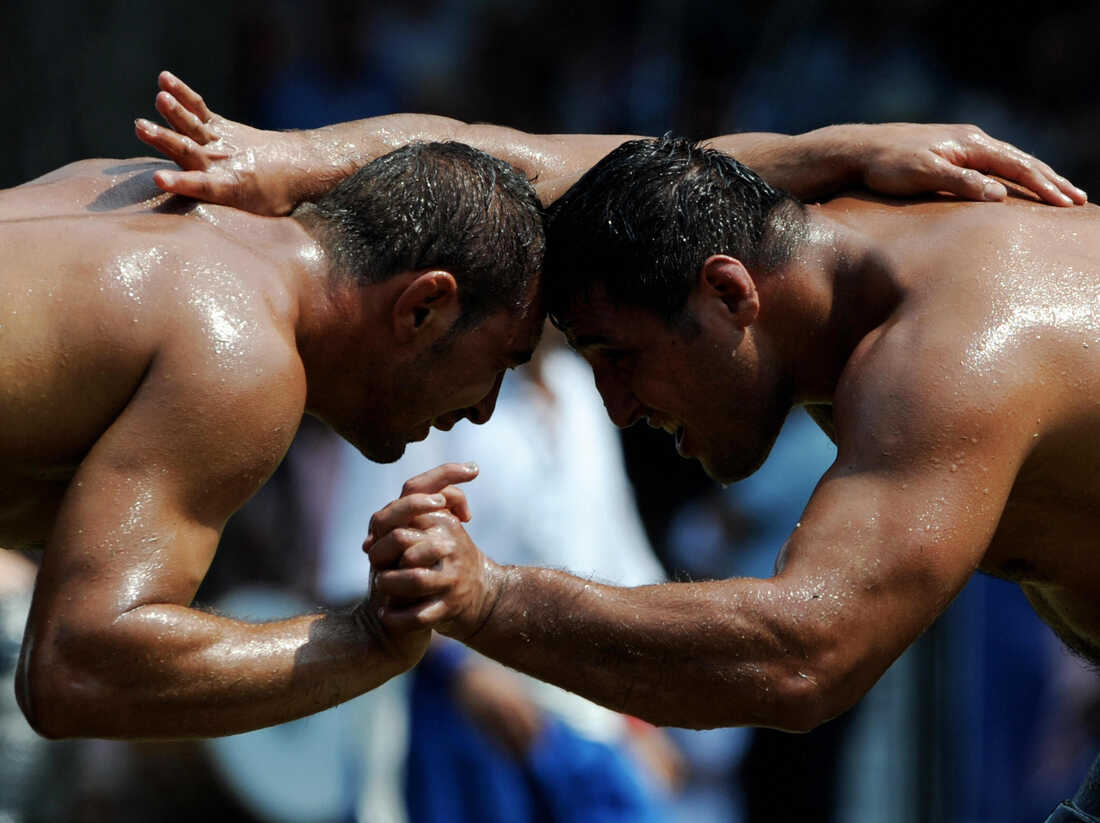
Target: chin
729, 468
388, 452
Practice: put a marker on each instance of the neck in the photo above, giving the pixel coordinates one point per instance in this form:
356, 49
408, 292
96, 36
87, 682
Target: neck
836, 287
328, 310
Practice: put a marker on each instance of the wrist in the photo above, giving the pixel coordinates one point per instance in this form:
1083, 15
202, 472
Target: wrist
322, 160
378, 642
496, 581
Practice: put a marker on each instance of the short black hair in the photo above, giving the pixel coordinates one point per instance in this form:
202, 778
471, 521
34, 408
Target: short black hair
436, 204
639, 225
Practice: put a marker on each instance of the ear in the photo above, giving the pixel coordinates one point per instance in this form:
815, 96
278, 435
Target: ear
727, 279
428, 304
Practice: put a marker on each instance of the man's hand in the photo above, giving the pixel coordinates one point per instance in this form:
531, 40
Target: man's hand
906, 159
222, 161
429, 572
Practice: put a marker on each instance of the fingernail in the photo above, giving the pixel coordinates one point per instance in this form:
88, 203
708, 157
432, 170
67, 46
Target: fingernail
992, 190
471, 466
438, 499
167, 178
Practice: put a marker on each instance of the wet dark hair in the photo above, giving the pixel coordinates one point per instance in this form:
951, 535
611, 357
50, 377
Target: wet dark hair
436, 204
639, 225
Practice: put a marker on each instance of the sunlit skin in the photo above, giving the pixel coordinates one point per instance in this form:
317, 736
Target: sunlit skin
156, 359
184, 413
949, 348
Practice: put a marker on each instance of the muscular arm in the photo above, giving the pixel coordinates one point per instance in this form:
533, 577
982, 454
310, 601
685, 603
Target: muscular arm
113, 648
270, 172
892, 533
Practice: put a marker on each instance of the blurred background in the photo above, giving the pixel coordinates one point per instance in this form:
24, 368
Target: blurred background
985, 719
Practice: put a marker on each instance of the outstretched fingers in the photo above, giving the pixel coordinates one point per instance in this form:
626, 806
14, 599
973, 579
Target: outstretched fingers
182, 150
213, 187
966, 158
183, 120
1011, 163
186, 95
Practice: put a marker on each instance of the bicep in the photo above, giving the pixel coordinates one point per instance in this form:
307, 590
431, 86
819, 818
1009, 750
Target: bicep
141, 519
896, 527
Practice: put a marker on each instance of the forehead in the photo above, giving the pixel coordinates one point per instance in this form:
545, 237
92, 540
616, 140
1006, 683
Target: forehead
594, 320
515, 332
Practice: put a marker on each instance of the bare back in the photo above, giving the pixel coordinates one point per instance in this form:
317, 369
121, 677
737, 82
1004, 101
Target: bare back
100, 277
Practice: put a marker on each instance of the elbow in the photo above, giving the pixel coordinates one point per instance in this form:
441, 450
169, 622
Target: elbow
811, 692
55, 697
39, 690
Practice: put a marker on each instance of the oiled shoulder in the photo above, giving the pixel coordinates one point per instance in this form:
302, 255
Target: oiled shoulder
911, 391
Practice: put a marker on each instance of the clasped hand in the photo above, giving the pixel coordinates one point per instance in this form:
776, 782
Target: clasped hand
427, 571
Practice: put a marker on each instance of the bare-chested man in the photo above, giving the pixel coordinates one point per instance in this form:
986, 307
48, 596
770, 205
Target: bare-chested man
952, 351
154, 369
156, 366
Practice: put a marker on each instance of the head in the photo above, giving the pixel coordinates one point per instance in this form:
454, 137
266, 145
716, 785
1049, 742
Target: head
655, 262
441, 246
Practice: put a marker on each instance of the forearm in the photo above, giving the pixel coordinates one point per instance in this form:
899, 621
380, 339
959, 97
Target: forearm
701, 655
812, 165
326, 155
808, 165
170, 671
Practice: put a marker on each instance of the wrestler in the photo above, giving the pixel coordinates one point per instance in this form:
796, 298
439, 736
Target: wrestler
197, 344
156, 360
950, 349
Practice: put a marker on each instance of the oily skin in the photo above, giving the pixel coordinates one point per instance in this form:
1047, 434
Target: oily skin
781, 652
957, 347
156, 359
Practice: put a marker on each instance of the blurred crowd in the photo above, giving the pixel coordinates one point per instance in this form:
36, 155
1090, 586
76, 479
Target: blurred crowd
985, 719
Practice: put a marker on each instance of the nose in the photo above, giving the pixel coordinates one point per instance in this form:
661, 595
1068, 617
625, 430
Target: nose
484, 409
622, 406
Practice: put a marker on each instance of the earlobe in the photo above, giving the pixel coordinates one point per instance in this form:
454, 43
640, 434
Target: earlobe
428, 304
727, 278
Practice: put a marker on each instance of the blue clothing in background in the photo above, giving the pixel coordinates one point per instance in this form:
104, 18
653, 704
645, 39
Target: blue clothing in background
455, 774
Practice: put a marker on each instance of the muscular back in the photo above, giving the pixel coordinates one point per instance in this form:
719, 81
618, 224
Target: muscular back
101, 277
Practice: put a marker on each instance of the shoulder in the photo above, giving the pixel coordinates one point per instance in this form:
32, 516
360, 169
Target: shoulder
912, 391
